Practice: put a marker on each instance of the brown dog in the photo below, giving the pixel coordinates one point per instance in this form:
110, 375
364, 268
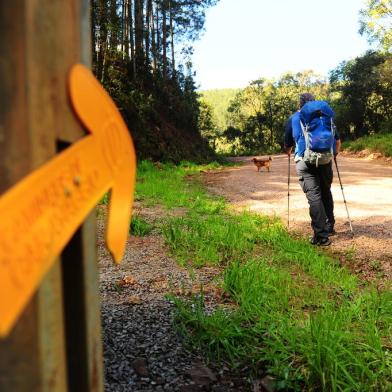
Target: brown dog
259, 163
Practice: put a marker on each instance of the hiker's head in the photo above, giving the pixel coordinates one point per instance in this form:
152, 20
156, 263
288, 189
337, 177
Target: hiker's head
304, 98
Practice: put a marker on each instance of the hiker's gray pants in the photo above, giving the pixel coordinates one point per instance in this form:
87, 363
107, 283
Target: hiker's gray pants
316, 183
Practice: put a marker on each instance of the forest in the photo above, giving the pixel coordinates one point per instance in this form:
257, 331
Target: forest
359, 90
142, 53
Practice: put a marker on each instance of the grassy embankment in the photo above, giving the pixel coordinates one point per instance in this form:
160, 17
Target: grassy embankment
381, 143
296, 314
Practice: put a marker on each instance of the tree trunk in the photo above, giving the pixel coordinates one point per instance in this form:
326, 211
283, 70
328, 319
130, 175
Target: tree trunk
123, 28
126, 29
172, 38
139, 34
148, 29
158, 41
102, 40
164, 39
152, 35
113, 25
131, 37
93, 11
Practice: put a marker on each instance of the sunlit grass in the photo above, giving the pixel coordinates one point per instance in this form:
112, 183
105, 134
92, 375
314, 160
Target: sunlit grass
164, 184
296, 314
139, 227
381, 143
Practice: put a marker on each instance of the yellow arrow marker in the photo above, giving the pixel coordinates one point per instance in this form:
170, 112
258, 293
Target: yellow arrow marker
40, 214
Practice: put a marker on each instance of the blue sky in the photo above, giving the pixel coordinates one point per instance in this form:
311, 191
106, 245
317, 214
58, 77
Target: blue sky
248, 39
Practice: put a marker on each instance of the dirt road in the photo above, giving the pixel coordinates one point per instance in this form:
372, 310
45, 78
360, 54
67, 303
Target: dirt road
368, 190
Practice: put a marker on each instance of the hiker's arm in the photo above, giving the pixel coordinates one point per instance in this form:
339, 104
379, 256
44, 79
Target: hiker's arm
338, 144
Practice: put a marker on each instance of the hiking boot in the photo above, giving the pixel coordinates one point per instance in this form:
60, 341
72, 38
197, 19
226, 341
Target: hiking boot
323, 241
330, 230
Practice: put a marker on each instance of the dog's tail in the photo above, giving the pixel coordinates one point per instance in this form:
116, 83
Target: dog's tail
270, 159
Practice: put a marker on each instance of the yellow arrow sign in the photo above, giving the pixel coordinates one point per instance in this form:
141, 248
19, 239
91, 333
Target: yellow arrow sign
40, 214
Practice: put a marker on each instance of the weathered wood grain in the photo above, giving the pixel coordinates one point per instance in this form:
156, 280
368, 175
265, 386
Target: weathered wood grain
56, 344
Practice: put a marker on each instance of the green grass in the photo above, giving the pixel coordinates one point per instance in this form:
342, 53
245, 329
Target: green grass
295, 315
165, 185
105, 199
212, 238
381, 143
140, 227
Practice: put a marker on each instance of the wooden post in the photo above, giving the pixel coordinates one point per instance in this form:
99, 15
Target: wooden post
56, 344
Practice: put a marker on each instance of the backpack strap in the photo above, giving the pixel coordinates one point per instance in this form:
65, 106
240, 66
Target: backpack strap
306, 137
333, 134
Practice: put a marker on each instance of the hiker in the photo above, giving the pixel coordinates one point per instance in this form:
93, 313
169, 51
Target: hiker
316, 141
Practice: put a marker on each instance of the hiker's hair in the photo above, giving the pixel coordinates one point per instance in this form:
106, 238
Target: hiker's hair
304, 98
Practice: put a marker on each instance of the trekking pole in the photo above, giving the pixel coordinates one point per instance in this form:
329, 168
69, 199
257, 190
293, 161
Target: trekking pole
344, 199
288, 192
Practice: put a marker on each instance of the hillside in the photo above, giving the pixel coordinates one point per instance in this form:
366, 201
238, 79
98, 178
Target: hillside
220, 99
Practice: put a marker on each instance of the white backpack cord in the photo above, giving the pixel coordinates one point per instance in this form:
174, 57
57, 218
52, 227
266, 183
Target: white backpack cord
306, 137
333, 134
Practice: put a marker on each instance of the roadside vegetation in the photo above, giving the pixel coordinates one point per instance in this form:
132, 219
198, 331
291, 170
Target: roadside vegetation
290, 311
147, 69
358, 90
141, 53
251, 120
140, 227
381, 143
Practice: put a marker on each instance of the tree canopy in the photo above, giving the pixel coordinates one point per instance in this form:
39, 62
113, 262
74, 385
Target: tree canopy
141, 53
376, 22
363, 94
256, 115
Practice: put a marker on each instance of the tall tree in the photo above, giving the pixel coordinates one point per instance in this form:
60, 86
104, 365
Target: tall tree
258, 113
376, 22
171, 12
136, 54
148, 30
365, 99
139, 34
131, 36
100, 14
164, 36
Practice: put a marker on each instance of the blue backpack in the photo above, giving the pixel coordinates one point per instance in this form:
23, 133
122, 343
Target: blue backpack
317, 125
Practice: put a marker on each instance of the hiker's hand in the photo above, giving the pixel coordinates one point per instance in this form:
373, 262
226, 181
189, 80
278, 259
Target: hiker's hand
338, 145
288, 150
